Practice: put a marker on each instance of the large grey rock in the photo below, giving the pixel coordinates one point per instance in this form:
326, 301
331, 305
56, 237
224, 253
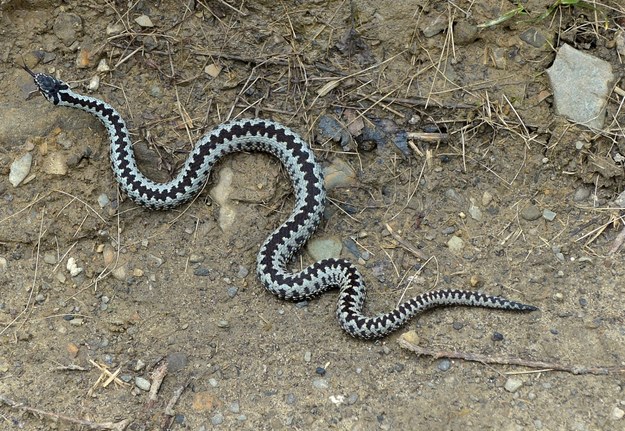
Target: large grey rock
581, 85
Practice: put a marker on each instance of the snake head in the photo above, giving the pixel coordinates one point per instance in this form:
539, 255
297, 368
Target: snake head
47, 85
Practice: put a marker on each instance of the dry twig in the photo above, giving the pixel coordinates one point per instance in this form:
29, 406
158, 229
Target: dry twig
115, 426
485, 359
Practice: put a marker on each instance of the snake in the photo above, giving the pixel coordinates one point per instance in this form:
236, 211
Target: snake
280, 247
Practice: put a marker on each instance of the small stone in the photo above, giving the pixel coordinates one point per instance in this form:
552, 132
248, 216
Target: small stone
474, 211
307, 356
549, 215
213, 382
213, 70
411, 337
119, 273
290, 399
20, 169
321, 371
223, 324
243, 272
114, 29
487, 198
201, 272
455, 244
176, 361
531, 213
50, 258
581, 194
40, 298
232, 291
497, 336
513, 384
436, 25
139, 365
144, 21
235, 407
617, 413
533, 37
103, 66
217, 419
76, 321
142, 383
103, 200
94, 83
444, 364
196, 258
339, 174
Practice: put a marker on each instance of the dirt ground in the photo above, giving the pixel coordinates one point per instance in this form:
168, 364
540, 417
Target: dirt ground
171, 296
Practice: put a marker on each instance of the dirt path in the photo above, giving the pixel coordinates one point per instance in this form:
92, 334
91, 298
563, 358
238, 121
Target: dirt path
156, 288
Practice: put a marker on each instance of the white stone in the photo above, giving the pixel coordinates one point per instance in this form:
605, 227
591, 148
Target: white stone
20, 169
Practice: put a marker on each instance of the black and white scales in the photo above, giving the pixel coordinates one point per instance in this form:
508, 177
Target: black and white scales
280, 247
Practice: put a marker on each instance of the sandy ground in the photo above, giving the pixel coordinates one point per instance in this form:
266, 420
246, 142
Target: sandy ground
171, 296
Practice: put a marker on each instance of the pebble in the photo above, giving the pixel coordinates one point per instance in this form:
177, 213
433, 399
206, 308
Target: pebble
201, 272
156, 91
290, 399
617, 413
103, 200
320, 383
487, 198
144, 21
513, 384
103, 66
76, 321
581, 194
531, 213
50, 258
119, 273
455, 244
338, 174
176, 361
3, 264
497, 336
575, 96
243, 272
533, 37
435, 25
321, 371
223, 324
213, 382
444, 364
324, 248
235, 407
94, 83
549, 215
114, 29
217, 419
474, 211
352, 399
142, 383
464, 33
20, 168
307, 356
232, 291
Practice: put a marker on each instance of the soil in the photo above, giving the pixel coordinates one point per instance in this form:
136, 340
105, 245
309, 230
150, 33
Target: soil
173, 294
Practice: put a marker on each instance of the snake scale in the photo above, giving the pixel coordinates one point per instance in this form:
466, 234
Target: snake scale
280, 247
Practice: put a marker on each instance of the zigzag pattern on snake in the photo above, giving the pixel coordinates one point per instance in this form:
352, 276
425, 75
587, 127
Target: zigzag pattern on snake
279, 247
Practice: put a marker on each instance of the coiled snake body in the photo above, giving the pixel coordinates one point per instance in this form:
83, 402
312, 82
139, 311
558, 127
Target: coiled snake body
279, 248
